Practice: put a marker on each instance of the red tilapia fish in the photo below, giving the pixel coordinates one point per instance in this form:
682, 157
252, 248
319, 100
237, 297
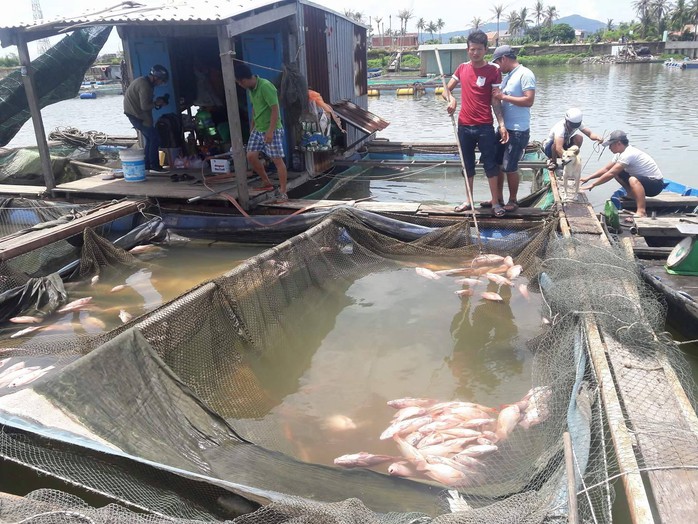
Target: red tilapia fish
76, 305
451, 442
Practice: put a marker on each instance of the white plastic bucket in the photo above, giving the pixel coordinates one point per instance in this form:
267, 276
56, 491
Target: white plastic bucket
133, 164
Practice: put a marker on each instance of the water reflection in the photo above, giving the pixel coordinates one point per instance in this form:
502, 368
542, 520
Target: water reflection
483, 333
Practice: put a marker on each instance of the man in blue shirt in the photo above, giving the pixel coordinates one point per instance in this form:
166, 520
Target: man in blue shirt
516, 93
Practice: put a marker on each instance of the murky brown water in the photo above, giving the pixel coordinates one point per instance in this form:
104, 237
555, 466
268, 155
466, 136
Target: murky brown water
390, 335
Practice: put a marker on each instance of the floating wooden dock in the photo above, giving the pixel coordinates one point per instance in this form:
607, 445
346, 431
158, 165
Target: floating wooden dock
652, 422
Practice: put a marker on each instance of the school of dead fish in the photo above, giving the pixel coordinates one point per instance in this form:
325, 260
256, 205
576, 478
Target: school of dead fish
498, 269
82, 304
450, 442
19, 374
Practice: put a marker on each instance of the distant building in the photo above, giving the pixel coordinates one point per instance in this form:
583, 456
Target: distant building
504, 37
580, 35
394, 41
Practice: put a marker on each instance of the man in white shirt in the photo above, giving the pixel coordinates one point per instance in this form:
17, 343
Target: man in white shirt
566, 133
634, 169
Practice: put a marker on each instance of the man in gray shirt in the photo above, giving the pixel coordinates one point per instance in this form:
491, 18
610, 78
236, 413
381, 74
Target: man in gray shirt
138, 107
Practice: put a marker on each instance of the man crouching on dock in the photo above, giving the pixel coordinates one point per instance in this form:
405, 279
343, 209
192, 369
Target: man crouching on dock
634, 169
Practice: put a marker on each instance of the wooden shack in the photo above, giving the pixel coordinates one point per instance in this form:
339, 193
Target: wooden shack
199, 44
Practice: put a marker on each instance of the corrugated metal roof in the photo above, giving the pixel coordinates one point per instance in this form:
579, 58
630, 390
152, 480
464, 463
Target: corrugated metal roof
158, 11
359, 117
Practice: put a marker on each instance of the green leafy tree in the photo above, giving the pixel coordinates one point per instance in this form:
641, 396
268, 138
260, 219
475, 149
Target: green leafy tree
609, 24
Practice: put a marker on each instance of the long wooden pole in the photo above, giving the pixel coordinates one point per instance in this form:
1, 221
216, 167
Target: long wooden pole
227, 50
572, 516
460, 152
35, 110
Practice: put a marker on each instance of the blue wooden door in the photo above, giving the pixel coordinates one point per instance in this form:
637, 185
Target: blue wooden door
265, 50
145, 53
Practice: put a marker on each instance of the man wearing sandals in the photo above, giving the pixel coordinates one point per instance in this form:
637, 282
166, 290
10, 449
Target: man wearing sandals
516, 94
268, 132
476, 79
632, 168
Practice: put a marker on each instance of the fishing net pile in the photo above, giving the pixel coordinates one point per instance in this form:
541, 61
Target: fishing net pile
165, 414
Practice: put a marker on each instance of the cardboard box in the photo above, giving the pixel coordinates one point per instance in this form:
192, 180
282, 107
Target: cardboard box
220, 165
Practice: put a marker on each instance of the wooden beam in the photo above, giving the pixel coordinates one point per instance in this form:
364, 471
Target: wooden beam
638, 503
258, 20
227, 52
19, 245
35, 110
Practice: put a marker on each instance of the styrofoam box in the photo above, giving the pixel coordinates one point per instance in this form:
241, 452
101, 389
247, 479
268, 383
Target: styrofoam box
220, 165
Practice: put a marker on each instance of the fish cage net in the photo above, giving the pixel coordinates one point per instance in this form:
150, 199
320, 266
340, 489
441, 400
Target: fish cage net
166, 414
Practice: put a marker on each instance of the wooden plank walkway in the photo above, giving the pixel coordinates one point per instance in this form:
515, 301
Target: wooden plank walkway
663, 226
663, 200
656, 419
15, 245
160, 186
407, 208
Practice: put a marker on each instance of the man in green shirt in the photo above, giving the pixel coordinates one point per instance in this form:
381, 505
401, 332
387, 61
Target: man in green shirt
267, 133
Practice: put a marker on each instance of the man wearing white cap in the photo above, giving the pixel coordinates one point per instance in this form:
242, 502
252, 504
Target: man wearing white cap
634, 169
517, 94
566, 133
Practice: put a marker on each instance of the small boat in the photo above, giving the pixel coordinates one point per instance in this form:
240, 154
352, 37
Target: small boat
686, 63
666, 246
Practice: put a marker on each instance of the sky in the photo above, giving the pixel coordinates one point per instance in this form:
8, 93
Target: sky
456, 14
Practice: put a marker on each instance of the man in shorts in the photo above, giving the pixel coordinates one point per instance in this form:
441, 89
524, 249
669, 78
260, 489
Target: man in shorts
517, 94
268, 132
634, 169
476, 79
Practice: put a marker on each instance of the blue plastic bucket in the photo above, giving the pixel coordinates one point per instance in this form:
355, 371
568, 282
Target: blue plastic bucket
133, 164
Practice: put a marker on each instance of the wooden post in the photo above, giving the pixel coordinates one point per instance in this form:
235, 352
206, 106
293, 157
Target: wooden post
35, 110
572, 516
227, 51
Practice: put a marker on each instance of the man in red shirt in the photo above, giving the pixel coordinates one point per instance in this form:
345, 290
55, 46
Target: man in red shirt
477, 79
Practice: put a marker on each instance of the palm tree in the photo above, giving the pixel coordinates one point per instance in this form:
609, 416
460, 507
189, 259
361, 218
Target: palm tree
551, 15
538, 11
609, 23
421, 24
514, 23
523, 17
432, 28
498, 10
440, 25
476, 22
643, 9
378, 27
404, 15
660, 10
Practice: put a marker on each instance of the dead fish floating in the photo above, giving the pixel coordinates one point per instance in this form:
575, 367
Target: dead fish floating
492, 296
76, 305
427, 273
26, 320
